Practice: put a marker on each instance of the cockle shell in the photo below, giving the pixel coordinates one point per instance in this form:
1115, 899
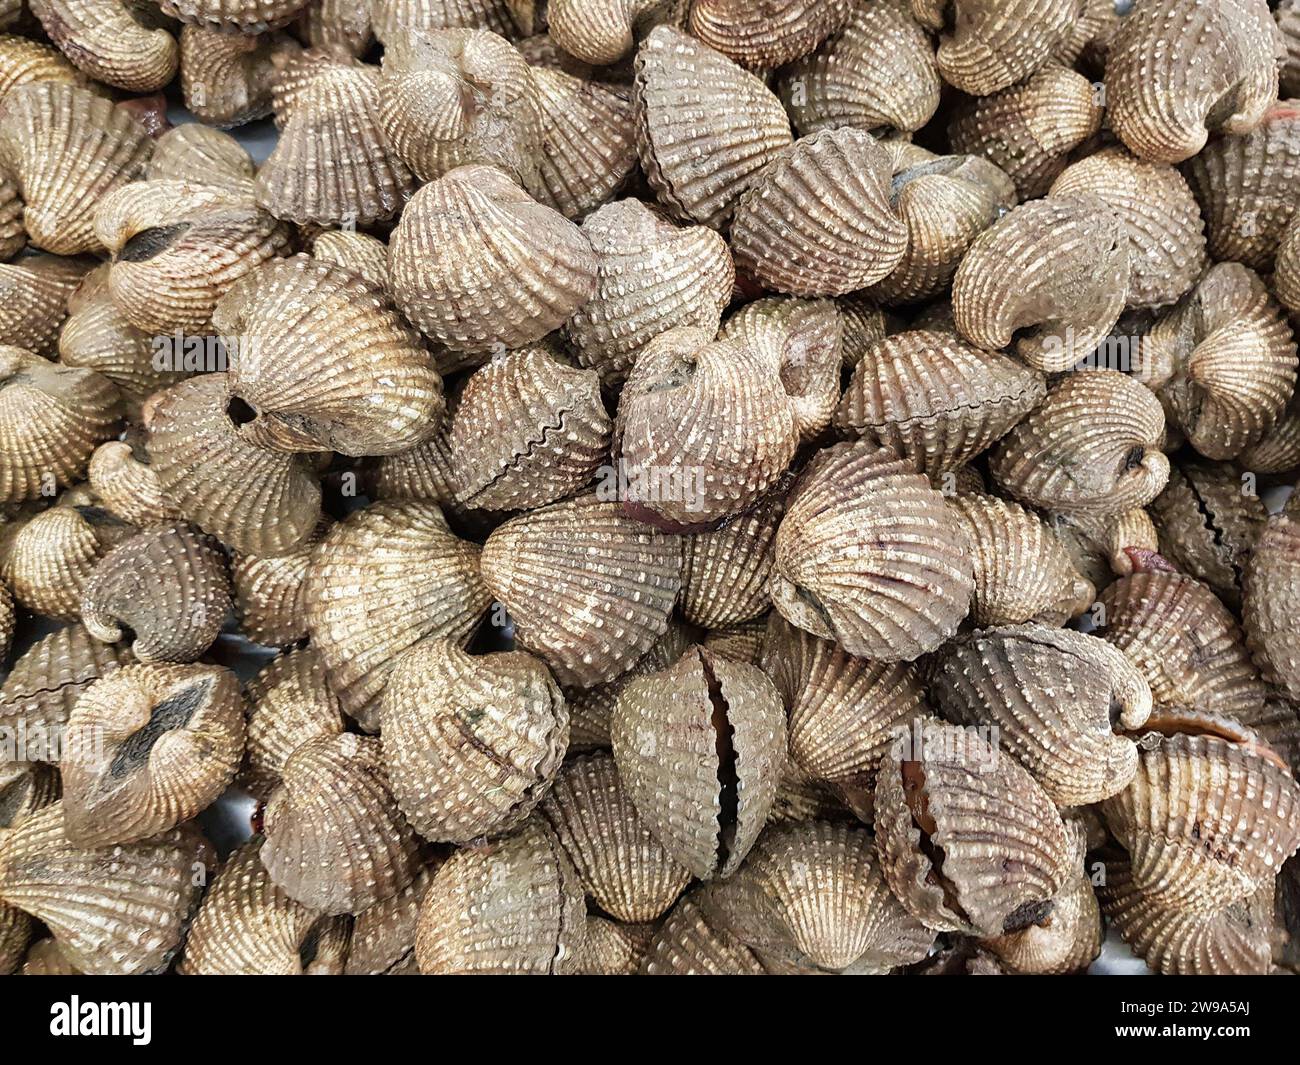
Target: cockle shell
1091, 447
705, 126
383, 936
700, 748
510, 18
689, 944
1223, 362
270, 603
1049, 277
704, 428
1271, 602
24, 788
1286, 268
1177, 72
843, 711
114, 911
1287, 15
226, 77
359, 252
510, 906
13, 237
23, 61
114, 41
863, 323
651, 275
126, 486
1211, 815
528, 430
1063, 703
1022, 571
517, 271
741, 642
767, 33
601, 32
1099, 544
589, 589
335, 839
246, 926
255, 500
471, 743
34, 292
380, 581
851, 241
363, 384
1030, 129
234, 16
424, 472
968, 840
67, 148
869, 555
935, 400
169, 740
168, 585
201, 155
621, 864
611, 948
1278, 451
47, 561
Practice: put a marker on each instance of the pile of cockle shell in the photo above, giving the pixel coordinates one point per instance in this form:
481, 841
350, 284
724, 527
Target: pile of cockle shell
731, 486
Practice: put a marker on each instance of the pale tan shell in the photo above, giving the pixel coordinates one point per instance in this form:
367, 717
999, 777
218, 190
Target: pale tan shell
935, 400
24, 61
256, 501
46, 958
201, 155
601, 32
471, 744
423, 472
1278, 451
13, 237
66, 148
851, 241
869, 555
1091, 447
359, 252
512, 906
24, 788
1211, 815
331, 164
1286, 268
335, 839
589, 589
1165, 230
1022, 571
1099, 544
169, 740
1030, 129
234, 16
968, 840
1177, 72
479, 266
689, 944
363, 383
126, 485
34, 293
651, 275
863, 323
611, 948
700, 749
1287, 15
1223, 362
528, 430
1050, 276
878, 72
704, 428
383, 936
621, 864
226, 77
1272, 601
114, 911
767, 33
843, 711
269, 598
114, 41
169, 586
987, 45
51, 420
509, 18
246, 926
380, 581
8, 621
705, 126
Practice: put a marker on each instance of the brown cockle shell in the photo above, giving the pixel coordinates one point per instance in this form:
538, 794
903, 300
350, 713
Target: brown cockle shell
1286, 268
704, 428
869, 555
246, 926
363, 384
1091, 447
1030, 129
114, 41
34, 293
1178, 72
67, 147
380, 581
1287, 15
234, 16
1223, 362
705, 126
13, 237
767, 33
601, 32
863, 323
621, 864
359, 252
689, 944
611, 948
256, 501
270, 601
700, 749
1211, 815
851, 241
935, 400
968, 840
226, 77
23, 61
126, 486
1278, 450
201, 155
518, 269
335, 839
24, 788
528, 430
589, 589
117, 910
651, 275
383, 936
170, 741
471, 743
1050, 278
1022, 571
1064, 704
843, 711
510, 18
1272, 601
1099, 544
168, 585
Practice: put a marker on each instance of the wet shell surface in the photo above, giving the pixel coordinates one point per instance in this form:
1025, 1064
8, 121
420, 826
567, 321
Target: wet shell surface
987, 45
